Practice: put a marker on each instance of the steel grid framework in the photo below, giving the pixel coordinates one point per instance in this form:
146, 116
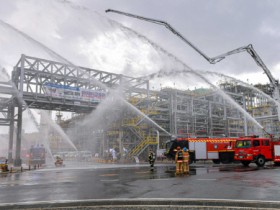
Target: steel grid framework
186, 113
6, 100
179, 112
30, 74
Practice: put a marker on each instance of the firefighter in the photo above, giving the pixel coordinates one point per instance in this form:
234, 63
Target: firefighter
179, 161
59, 161
4, 166
186, 161
152, 158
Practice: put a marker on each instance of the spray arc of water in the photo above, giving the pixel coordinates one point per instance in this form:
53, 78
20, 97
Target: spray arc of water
156, 47
244, 84
46, 117
208, 82
52, 53
201, 72
228, 98
199, 75
58, 129
219, 91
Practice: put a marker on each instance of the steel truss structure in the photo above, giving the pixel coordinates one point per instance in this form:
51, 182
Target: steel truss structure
202, 112
190, 113
31, 74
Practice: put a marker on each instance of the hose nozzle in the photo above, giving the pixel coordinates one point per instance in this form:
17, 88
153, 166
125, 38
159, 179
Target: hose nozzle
267, 132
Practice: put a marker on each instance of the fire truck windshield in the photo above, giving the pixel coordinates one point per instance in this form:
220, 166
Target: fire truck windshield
243, 144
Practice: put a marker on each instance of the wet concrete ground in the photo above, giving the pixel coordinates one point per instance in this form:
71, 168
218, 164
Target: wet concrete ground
79, 181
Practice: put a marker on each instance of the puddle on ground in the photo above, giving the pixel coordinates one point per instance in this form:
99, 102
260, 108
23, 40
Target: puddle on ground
163, 172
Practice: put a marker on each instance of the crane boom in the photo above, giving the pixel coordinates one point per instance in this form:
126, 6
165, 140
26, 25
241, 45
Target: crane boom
249, 48
168, 26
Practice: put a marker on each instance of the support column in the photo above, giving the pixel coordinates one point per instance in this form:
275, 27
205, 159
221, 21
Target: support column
157, 139
245, 118
173, 112
11, 132
121, 145
210, 121
20, 104
225, 119
18, 141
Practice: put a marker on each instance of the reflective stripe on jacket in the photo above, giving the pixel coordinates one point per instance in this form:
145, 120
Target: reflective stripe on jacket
186, 156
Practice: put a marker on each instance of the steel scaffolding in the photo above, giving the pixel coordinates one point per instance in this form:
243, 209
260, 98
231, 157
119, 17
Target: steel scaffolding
200, 112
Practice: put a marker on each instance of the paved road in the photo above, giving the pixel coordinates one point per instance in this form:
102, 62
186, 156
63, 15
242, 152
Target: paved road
104, 181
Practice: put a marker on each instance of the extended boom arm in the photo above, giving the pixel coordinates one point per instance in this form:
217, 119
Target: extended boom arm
213, 60
254, 55
169, 27
218, 58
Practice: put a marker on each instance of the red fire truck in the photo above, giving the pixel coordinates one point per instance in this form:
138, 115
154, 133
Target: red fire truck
255, 149
220, 149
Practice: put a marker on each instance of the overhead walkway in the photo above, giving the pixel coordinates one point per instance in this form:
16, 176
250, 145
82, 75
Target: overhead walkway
7, 93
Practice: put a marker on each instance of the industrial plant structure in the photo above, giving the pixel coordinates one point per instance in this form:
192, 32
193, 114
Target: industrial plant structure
137, 117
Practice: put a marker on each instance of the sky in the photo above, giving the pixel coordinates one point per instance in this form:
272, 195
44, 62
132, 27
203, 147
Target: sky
84, 34
81, 32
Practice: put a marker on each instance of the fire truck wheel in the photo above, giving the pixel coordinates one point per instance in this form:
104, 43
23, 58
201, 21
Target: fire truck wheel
260, 161
216, 161
226, 157
245, 163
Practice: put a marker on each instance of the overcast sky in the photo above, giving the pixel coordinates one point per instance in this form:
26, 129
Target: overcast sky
83, 33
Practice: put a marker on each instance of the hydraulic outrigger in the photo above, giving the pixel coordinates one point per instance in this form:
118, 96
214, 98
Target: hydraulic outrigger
249, 49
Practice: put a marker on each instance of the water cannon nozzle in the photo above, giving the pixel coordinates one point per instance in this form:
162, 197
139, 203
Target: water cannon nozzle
108, 10
267, 132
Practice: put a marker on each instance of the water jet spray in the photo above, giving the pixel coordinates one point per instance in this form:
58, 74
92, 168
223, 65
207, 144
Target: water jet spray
98, 83
249, 49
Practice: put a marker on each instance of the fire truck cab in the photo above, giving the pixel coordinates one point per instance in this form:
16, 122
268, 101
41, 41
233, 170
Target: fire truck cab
258, 150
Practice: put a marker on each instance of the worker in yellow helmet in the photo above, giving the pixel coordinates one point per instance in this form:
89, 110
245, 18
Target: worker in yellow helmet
152, 158
179, 161
186, 161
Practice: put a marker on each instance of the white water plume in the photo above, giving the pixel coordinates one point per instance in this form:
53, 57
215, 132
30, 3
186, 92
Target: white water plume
110, 104
187, 68
51, 52
174, 72
160, 49
244, 84
219, 91
57, 128
129, 31
47, 118
4, 75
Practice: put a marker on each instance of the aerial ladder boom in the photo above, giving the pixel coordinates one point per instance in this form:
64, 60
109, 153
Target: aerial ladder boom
249, 48
169, 27
254, 55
